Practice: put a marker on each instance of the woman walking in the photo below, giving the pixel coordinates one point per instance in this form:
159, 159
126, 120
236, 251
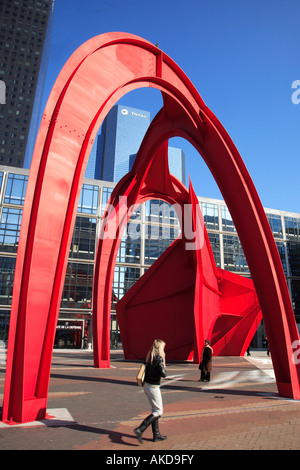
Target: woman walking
155, 369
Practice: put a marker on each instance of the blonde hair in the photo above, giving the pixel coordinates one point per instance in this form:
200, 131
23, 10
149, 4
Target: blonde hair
157, 348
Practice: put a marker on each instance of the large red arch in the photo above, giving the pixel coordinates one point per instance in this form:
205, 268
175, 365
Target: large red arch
101, 71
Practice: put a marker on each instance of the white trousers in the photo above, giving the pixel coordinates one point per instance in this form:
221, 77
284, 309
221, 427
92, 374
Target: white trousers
154, 396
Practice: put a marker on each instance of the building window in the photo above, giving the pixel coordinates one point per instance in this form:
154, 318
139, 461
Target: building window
227, 222
158, 211
210, 214
214, 239
292, 227
4, 327
281, 251
78, 286
293, 250
157, 239
130, 246
136, 214
106, 193
1, 180
124, 278
84, 238
295, 283
7, 272
276, 225
15, 189
10, 225
88, 201
234, 258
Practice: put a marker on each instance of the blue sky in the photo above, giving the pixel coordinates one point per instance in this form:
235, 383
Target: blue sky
241, 55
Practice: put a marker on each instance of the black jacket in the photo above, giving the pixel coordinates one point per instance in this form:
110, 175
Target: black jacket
155, 371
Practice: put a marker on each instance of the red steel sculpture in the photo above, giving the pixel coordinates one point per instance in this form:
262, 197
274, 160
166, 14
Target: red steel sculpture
95, 77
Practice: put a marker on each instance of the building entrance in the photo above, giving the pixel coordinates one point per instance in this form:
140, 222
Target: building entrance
69, 334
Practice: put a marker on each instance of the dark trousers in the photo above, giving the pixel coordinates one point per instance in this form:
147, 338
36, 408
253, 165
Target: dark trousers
205, 376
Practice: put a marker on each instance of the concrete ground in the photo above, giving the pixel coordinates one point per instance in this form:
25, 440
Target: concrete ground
97, 409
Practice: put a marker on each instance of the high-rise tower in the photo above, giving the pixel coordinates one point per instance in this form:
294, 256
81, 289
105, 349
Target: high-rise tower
122, 133
23, 39
116, 147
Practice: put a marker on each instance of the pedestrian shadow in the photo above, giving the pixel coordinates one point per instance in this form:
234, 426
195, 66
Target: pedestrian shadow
83, 378
210, 389
238, 392
74, 364
114, 436
165, 386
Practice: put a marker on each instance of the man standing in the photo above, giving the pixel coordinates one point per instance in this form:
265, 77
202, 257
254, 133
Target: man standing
206, 362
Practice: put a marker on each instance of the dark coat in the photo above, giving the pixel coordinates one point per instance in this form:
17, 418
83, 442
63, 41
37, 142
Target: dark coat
206, 359
155, 371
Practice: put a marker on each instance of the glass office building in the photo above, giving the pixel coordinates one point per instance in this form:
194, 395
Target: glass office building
116, 146
122, 131
176, 159
151, 229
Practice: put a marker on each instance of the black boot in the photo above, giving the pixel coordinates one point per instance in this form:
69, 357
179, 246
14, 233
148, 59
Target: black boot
156, 434
143, 426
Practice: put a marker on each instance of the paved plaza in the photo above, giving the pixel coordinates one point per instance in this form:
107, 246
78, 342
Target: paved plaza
97, 409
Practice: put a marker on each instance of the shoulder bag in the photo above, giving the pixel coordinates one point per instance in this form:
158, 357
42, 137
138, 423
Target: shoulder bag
141, 375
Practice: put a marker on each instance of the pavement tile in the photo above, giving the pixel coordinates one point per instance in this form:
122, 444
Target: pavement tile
238, 410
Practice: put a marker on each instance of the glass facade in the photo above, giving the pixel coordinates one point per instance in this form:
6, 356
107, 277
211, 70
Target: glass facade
234, 258
15, 189
78, 287
83, 244
10, 229
122, 132
7, 271
176, 159
210, 214
88, 200
115, 147
150, 230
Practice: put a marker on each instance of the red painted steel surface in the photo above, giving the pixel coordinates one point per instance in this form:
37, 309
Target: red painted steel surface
167, 302
92, 81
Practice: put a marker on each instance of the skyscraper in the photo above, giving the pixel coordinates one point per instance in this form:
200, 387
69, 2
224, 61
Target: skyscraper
116, 146
23, 31
122, 133
176, 158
